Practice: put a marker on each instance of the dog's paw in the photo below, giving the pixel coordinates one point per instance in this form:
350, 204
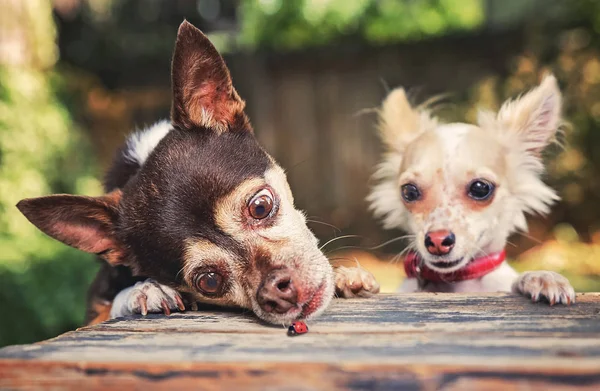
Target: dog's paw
544, 284
354, 282
144, 297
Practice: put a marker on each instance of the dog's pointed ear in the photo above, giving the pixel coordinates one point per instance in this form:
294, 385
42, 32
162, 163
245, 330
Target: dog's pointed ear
203, 93
400, 122
535, 117
86, 223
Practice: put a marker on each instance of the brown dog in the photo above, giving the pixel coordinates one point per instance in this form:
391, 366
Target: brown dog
196, 209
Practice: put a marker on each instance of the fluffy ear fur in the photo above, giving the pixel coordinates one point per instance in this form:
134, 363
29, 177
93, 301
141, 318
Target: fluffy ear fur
400, 123
203, 94
535, 117
86, 223
527, 125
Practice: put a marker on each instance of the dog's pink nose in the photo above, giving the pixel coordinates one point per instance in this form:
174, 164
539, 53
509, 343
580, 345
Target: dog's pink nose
439, 242
277, 292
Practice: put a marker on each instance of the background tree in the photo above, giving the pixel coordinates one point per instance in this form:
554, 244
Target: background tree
41, 152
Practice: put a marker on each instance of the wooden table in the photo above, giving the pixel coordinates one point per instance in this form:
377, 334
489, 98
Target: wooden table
415, 342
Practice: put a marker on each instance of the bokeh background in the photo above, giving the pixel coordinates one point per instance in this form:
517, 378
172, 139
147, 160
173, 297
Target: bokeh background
77, 75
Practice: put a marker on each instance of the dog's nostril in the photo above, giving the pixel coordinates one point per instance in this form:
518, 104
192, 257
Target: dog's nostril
428, 241
449, 240
284, 285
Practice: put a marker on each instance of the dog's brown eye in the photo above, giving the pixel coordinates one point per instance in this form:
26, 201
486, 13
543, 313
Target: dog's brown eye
209, 283
410, 192
480, 190
261, 205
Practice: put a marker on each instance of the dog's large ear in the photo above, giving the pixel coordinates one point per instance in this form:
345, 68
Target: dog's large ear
86, 223
400, 122
535, 117
203, 94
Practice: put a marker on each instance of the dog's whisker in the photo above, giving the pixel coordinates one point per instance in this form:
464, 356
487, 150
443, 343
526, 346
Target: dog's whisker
526, 235
374, 247
323, 223
481, 250
179, 272
338, 238
391, 241
398, 256
345, 248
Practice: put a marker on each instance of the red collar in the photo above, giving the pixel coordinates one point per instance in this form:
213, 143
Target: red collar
477, 268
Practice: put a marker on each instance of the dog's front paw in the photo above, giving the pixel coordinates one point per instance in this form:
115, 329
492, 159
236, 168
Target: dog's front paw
144, 297
544, 284
354, 282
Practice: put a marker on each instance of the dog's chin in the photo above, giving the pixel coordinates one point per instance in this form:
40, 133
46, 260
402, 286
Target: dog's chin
317, 302
446, 265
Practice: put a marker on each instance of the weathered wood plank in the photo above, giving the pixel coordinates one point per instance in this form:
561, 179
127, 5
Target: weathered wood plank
300, 376
430, 348
418, 341
421, 312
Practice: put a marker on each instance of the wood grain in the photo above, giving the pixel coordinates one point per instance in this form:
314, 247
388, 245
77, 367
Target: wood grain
418, 341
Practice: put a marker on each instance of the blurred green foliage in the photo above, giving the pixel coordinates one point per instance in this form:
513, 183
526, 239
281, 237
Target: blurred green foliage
42, 284
291, 24
43, 296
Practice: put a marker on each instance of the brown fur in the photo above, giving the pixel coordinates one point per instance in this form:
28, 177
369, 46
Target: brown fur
203, 94
102, 311
83, 222
179, 211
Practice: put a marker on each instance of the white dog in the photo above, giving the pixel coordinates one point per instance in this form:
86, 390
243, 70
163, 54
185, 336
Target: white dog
460, 190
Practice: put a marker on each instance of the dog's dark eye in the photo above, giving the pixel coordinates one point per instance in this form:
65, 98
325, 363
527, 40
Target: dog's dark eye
209, 283
410, 192
480, 190
261, 205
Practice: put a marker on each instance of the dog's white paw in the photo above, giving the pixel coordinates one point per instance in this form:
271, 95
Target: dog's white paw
544, 284
144, 297
354, 282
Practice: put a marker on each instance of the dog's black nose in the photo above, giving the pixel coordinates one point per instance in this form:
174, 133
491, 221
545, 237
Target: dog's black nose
439, 242
277, 292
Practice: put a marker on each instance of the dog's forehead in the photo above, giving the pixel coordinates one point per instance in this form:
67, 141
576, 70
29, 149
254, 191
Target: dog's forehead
456, 152
211, 163
434, 149
423, 155
475, 151
453, 137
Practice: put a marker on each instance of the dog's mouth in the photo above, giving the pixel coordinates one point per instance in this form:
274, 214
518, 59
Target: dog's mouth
315, 303
446, 264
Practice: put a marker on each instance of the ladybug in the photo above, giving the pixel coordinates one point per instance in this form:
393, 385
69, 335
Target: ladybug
297, 328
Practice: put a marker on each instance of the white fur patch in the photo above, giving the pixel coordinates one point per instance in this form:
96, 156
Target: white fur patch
141, 143
451, 135
128, 301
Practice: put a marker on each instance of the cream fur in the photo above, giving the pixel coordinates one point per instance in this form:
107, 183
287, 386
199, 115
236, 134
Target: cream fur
443, 159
